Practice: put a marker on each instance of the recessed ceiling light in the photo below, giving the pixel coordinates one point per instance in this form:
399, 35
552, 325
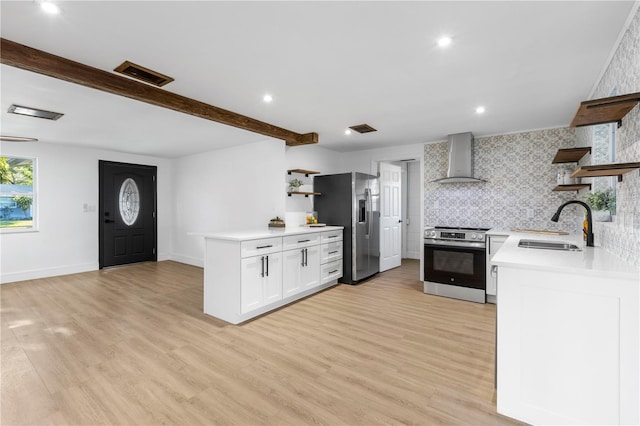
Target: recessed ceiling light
347, 132
480, 110
444, 41
267, 98
34, 112
17, 139
50, 8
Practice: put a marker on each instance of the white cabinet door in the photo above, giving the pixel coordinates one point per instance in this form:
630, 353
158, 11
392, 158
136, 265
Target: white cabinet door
301, 270
310, 272
261, 281
273, 279
251, 294
494, 242
292, 264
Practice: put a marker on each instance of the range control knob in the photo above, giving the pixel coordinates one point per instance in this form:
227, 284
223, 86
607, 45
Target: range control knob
432, 234
481, 236
473, 236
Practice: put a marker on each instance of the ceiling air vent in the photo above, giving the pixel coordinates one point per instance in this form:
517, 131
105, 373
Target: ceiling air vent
143, 74
34, 112
363, 128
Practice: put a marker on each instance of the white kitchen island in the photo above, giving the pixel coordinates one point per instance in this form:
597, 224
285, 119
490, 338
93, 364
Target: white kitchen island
567, 335
250, 272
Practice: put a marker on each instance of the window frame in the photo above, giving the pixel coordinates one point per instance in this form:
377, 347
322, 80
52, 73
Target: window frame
34, 199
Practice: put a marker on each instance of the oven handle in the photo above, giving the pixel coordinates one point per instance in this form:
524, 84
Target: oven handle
454, 244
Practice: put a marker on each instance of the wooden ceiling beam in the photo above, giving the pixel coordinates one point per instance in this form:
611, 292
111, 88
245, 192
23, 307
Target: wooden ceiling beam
38, 61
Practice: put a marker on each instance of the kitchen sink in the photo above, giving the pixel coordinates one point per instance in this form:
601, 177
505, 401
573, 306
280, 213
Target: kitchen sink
548, 245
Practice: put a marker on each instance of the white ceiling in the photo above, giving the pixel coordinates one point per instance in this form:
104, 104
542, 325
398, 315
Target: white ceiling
328, 65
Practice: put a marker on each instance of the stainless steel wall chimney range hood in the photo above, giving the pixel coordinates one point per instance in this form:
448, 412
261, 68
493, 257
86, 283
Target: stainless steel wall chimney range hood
460, 150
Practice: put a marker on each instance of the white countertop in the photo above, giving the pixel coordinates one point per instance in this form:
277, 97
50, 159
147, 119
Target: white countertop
592, 261
257, 234
498, 231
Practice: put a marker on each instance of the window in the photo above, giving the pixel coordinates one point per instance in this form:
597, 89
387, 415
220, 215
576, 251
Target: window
17, 194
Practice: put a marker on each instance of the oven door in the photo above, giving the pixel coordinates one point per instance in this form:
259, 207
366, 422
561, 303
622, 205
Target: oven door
452, 263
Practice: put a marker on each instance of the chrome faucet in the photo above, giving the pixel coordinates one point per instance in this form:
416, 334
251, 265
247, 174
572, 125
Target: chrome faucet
556, 216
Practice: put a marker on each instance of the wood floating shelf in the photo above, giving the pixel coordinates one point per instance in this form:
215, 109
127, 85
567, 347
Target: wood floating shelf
605, 110
302, 172
599, 170
306, 194
574, 187
571, 155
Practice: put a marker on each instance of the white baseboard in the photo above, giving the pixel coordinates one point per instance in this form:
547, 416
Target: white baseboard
413, 255
187, 259
47, 272
163, 256
12, 277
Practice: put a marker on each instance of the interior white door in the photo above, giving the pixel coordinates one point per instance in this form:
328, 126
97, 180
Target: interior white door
390, 216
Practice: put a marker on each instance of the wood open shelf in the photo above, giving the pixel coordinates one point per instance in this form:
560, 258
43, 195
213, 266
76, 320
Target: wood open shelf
302, 172
605, 110
599, 170
574, 187
306, 194
571, 155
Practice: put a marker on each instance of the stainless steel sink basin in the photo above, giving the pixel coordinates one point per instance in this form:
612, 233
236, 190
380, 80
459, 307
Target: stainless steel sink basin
548, 245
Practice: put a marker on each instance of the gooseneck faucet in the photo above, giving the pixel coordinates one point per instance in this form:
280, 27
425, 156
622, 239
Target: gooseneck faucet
556, 216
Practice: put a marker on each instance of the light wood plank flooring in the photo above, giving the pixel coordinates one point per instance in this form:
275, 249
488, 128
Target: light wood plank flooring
131, 346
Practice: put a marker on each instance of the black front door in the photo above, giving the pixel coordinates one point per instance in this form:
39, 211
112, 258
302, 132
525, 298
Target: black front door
127, 208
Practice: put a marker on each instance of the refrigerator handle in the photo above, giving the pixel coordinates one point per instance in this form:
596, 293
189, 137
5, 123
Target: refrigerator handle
367, 196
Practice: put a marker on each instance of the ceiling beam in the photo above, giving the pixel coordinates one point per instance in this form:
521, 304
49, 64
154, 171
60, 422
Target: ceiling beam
30, 59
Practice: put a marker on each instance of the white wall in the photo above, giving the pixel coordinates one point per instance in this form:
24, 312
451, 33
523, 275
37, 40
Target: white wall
67, 238
234, 188
413, 228
307, 157
366, 161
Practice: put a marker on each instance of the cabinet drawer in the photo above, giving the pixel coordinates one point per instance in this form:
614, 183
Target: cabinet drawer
299, 241
329, 236
331, 251
263, 246
331, 271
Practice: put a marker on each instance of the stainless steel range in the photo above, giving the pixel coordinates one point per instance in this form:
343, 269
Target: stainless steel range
455, 262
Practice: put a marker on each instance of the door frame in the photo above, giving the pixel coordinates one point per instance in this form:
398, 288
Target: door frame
101, 209
410, 152
393, 261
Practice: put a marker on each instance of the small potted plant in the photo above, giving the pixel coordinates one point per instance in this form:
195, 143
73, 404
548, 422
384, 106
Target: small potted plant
294, 185
276, 222
602, 203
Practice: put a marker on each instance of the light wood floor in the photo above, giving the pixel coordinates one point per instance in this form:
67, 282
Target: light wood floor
131, 346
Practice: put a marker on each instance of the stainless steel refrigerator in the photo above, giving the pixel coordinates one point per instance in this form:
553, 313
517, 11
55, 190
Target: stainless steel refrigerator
352, 200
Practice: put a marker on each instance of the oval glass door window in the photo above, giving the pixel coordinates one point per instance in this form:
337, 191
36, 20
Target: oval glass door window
129, 201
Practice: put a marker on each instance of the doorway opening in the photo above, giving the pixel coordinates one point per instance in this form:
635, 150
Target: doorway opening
128, 220
407, 243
